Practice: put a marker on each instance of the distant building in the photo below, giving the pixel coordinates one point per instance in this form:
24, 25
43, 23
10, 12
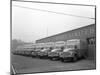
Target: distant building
87, 32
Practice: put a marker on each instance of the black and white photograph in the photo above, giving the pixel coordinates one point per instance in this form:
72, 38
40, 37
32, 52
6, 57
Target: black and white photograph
52, 37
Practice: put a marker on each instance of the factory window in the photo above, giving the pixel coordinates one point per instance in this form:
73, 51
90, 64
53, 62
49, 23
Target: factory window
71, 34
85, 32
91, 41
79, 32
76, 34
68, 35
92, 30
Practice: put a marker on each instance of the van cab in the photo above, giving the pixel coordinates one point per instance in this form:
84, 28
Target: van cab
74, 50
35, 52
44, 52
58, 48
54, 54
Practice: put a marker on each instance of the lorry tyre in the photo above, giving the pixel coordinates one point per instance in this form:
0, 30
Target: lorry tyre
61, 60
50, 58
40, 57
75, 59
53, 59
84, 56
64, 60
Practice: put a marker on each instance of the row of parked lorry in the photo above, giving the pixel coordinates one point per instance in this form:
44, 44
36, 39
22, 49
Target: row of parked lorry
70, 50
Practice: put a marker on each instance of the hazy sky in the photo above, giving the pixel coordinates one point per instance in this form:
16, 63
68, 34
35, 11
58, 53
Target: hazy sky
30, 25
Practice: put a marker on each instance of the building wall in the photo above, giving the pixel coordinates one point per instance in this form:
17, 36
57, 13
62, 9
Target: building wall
84, 32
80, 33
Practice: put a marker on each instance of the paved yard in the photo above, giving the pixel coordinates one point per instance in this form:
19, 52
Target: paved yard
24, 64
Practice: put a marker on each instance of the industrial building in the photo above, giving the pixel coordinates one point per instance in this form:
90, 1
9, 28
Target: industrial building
87, 32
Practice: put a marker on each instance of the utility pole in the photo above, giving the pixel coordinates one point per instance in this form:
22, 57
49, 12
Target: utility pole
47, 31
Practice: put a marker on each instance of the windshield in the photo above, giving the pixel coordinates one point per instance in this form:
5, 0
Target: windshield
71, 46
57, 49
54, 50
44, 49
38, 49
67, 49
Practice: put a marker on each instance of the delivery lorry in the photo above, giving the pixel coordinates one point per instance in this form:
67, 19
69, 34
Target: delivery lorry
46, 49
58, 48
27, 50
24, 50
44, 52
74, 50
35, 52
38, 48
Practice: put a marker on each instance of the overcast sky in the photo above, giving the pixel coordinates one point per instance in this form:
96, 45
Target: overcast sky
32, 24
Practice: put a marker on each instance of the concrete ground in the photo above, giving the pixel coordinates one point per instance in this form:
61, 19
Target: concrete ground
24, 64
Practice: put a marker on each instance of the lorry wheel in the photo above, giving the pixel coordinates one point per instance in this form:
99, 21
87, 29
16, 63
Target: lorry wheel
40, 57
62, 60
75, 59
53, 59
50, 58
84, 57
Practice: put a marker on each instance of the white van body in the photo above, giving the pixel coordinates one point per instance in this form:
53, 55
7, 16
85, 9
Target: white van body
54, 54
46, 49
74, 49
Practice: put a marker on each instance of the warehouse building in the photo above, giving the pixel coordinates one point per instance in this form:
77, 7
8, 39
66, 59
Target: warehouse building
87, 32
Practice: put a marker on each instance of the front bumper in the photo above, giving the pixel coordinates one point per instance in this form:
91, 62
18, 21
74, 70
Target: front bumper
67, 58
41, 54
53, 55
34, 54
